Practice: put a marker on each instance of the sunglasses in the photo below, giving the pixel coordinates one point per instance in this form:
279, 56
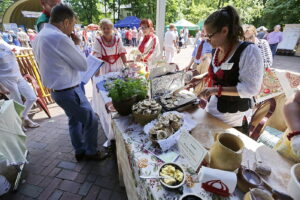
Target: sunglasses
209, 36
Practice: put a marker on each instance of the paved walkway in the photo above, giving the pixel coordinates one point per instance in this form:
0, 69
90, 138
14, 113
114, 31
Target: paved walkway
291, 63
54, 174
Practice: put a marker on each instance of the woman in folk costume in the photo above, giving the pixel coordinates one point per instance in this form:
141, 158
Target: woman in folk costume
149, 44
235, 73
109, 48
263, 45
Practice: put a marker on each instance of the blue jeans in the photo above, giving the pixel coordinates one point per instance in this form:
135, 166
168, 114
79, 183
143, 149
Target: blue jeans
273, 48
83, 122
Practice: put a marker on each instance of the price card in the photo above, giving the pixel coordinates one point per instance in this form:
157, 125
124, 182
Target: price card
191, 149
94, 65
226, 66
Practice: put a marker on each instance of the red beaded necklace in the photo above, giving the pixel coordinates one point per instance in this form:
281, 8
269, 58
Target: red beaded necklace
216, 60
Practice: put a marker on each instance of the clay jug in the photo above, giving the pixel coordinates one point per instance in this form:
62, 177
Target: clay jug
226, 152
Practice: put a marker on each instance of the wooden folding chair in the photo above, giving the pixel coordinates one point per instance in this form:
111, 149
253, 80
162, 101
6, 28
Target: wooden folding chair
40, 100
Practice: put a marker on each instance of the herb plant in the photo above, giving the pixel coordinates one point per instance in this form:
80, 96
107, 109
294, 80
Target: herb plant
129, 88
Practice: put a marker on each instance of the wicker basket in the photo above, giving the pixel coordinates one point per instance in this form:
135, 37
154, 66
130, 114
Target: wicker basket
144, 119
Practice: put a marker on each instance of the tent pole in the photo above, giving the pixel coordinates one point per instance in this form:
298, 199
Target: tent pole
160, 21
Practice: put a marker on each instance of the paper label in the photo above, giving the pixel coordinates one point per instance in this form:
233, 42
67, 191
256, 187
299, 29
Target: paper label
93, 64
191, 149
226, 66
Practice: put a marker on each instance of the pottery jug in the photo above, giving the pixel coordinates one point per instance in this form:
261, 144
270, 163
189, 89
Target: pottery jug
226, 152
258, 194
294, 184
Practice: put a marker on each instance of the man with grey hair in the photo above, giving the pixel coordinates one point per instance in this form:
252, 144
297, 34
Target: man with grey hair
170, 44
57, 52
274, 38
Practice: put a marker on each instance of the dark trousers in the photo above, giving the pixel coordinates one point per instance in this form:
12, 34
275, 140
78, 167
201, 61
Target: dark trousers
134, 42
83, 122
273, 48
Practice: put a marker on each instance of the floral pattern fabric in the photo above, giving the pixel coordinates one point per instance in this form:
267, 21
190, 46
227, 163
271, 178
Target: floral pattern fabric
143, 163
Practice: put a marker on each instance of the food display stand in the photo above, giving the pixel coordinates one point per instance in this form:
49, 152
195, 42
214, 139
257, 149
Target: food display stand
135, 160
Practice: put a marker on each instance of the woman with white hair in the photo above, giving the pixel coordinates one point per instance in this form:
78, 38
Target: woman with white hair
109, 48
274, 38
250, 36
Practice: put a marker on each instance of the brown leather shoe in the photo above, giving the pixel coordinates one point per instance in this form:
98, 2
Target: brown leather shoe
98, 156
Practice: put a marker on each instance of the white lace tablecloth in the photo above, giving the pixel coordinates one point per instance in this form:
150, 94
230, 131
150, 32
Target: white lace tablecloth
99, 100
134, 161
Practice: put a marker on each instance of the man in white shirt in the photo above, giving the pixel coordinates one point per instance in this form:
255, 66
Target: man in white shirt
57, 51
198, 36
18, 87
23, 38
185, 36
170, 44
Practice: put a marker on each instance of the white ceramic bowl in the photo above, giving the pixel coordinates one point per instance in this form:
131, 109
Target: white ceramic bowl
185, 195
172, 186
294, 184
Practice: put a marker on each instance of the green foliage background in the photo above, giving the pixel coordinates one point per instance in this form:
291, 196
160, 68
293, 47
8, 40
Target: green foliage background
257, 12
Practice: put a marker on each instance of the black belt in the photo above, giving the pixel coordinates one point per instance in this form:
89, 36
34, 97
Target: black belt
63, 90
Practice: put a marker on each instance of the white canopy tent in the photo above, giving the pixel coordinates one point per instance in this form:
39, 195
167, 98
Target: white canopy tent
184, 23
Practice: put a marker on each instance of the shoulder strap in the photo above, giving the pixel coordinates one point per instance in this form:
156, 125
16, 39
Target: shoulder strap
213, 52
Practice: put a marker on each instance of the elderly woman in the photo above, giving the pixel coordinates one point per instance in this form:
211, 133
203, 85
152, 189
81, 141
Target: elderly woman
235, 72
274, 38
265, 51
149, 45
109, 48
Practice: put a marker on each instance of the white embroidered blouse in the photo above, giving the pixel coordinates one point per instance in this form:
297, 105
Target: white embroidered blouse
149, 49
250, 80
266, 53
100, 49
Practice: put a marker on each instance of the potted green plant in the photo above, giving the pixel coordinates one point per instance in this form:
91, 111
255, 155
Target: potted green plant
125, 93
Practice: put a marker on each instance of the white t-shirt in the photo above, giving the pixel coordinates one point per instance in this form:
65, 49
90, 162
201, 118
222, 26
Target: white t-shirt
170, 37
9, 67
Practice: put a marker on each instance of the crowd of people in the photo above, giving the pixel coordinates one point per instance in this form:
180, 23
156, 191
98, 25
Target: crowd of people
19, 38
234, 56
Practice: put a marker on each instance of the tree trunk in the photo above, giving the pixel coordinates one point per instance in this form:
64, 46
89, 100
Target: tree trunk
105, 8
119, 9
219, 4
114, 11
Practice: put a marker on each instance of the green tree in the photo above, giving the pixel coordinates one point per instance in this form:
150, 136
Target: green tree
87, 10
143, 8
174, 9
198, 10
280, 12
248, 10
4, 4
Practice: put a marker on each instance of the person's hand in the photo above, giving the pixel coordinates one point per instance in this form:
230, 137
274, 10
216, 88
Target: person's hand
3, 90
207, 92
138, 58
195, 79
75, 39
295, 144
